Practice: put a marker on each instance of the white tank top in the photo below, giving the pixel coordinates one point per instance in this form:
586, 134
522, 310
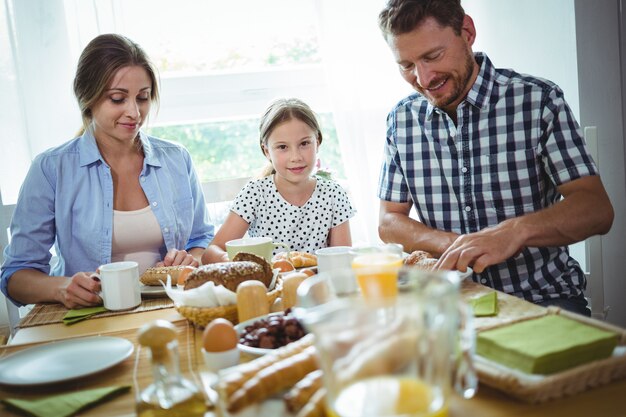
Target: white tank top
136, 237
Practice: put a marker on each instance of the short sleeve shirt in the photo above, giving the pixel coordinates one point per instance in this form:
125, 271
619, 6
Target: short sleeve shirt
305, 228
514, 143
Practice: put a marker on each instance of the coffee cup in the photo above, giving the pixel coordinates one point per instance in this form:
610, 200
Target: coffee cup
120, 285
334, 257
261, 246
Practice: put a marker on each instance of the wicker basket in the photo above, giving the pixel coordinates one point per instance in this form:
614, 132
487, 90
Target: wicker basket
538, 388
201, 316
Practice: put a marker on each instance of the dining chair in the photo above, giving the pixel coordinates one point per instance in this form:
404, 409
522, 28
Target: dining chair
6, 213
218, 196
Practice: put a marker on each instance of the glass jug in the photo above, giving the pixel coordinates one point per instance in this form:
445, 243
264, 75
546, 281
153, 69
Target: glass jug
397, 358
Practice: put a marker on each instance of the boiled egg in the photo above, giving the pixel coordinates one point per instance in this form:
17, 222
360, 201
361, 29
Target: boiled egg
219, 336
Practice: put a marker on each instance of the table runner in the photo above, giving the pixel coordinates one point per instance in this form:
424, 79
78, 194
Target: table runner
53, 313
135, 370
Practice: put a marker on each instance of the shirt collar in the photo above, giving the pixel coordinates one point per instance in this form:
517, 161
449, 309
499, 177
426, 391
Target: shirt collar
479, 94
89, 152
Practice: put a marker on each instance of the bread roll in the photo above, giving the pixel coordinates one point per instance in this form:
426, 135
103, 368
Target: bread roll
154, 275
228, 274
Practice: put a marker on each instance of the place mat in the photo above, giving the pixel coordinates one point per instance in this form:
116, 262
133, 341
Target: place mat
53, 313
534, 388
511, 309
136, 370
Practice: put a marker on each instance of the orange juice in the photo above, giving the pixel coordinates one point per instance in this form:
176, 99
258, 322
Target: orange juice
377, 274
388, 396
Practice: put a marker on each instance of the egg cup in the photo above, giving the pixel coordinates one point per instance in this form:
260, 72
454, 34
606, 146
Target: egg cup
216, 361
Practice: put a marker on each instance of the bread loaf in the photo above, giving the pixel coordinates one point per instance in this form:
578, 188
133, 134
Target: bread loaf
156, 274
250, 257
228, 274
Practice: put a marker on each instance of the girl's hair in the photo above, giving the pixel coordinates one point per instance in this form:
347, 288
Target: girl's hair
98, 64
283, 110
402, 16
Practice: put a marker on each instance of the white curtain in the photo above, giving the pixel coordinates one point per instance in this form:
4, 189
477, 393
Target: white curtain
364, 85
37, 109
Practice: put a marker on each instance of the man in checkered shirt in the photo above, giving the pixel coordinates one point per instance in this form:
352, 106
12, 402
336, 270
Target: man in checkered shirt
485, 155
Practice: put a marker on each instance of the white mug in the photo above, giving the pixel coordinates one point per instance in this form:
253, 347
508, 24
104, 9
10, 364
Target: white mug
120, 285
336, 261
334, 257
261, 246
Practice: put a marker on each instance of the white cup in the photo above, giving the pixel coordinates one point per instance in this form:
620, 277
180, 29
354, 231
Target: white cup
334, 257
120, 285
336, 261
261, 246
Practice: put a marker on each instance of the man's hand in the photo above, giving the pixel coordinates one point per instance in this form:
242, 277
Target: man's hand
80, 291
479, 250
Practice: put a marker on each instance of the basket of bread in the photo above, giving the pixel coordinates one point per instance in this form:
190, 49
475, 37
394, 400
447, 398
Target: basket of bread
216, 290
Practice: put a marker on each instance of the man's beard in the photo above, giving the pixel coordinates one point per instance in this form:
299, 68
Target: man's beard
460, 83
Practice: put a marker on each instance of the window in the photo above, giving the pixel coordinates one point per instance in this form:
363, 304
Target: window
220, 69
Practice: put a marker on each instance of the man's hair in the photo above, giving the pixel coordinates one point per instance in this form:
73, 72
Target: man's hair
403, 16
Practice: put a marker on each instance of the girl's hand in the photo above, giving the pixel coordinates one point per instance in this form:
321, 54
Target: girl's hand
80, 291
178, 257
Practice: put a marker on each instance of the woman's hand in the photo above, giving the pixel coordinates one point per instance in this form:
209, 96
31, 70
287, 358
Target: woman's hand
178, 257
80, 291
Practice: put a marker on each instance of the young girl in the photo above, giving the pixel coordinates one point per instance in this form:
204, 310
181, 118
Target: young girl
289, 204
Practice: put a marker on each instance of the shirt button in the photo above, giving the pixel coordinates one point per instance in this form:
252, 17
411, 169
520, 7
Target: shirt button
464, 169
468, 208
154, 203
165, 230
452, 134
143, 179
483, 280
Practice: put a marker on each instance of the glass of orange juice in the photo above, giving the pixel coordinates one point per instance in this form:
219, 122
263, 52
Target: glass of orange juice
376, 269
392, 359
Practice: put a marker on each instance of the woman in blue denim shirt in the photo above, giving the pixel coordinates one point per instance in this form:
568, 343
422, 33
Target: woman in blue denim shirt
112, 194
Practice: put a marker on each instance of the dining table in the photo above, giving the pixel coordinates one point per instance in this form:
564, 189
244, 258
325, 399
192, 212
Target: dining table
605, 400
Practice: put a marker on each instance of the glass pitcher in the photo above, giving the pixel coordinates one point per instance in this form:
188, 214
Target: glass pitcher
396, 358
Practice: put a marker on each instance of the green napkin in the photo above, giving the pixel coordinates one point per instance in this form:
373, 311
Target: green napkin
485, 305
64, 405
545, 345
74, 316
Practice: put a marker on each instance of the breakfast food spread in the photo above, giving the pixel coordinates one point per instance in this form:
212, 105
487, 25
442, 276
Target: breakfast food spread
156, 274
297, 259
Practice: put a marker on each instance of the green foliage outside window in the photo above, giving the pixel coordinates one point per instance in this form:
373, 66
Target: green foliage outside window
230, 149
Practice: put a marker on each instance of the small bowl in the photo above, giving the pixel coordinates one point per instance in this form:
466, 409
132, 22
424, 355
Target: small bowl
253, 351
216, 361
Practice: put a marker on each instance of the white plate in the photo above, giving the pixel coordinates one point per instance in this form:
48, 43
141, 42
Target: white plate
152, 290
63, 360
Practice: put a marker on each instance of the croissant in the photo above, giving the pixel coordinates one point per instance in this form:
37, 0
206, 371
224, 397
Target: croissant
273, 379
298, 396
297, 259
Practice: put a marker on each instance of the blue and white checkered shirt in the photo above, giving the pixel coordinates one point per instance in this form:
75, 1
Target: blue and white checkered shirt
516, 140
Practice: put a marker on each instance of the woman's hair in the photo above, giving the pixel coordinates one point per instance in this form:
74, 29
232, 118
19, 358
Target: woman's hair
98, 64
283, 110
402, 16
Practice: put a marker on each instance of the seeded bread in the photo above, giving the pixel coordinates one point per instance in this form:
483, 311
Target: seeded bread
228, 274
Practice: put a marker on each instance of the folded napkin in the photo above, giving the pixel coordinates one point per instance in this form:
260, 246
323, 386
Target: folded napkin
64, 405
74, 316
485, 305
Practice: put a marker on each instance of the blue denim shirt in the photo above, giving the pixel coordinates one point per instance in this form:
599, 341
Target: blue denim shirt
67, 201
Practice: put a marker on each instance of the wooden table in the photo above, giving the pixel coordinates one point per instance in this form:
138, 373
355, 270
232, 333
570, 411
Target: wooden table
609, 400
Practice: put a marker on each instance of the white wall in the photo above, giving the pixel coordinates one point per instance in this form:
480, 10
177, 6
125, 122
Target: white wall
601, 104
